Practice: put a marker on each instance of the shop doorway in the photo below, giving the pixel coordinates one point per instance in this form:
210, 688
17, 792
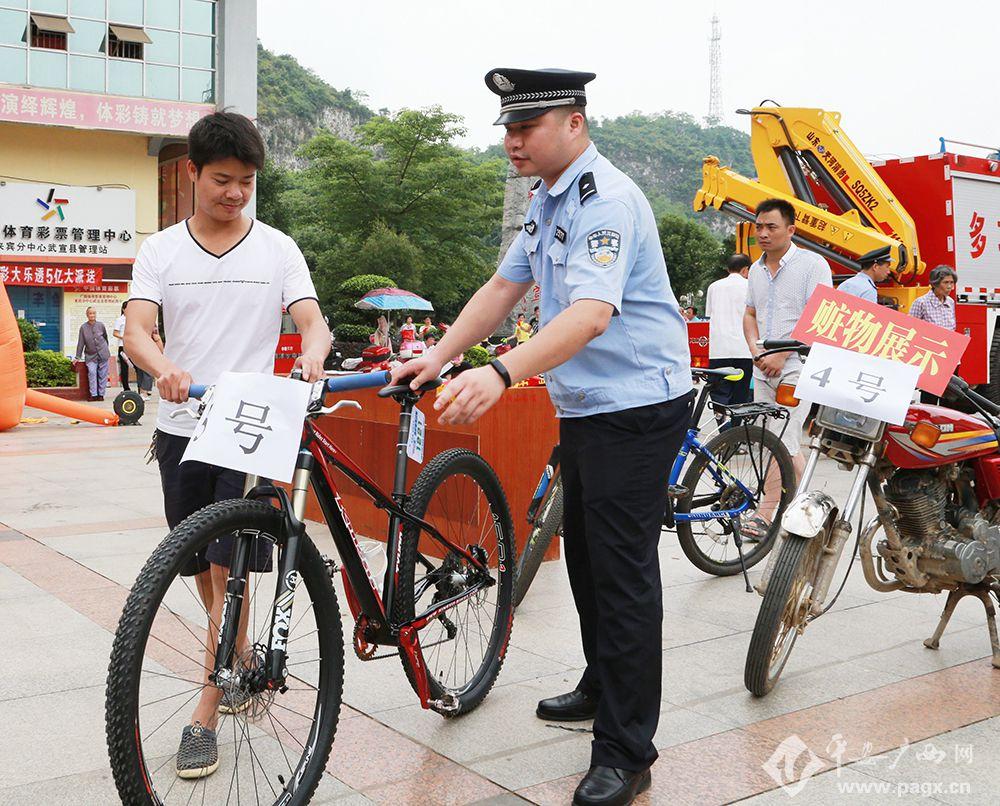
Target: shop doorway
43, 307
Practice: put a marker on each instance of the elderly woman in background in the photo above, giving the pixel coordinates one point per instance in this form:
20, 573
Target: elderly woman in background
937, 307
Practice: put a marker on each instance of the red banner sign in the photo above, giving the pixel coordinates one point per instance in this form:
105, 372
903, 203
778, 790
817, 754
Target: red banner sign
62, 276
843, 320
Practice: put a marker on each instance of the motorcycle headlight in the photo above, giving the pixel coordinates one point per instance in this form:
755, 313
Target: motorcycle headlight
846, 422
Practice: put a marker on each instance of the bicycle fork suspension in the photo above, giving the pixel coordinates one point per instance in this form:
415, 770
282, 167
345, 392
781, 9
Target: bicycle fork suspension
287, 581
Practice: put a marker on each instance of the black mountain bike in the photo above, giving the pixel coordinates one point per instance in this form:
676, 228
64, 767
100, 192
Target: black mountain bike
279, 653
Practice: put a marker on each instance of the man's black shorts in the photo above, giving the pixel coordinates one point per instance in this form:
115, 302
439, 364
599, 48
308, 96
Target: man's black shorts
192, 486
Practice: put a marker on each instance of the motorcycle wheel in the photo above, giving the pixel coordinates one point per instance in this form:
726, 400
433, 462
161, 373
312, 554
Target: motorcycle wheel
783, 614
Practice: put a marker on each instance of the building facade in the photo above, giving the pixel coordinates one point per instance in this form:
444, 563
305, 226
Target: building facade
96, 99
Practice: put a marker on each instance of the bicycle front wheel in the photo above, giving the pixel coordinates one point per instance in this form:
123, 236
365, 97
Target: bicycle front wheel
459, 494
758, 460
262, 745
545, 528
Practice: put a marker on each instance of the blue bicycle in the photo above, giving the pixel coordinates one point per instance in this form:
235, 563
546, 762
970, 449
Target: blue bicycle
725, 508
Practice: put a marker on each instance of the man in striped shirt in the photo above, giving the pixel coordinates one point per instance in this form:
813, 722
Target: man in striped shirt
778, 287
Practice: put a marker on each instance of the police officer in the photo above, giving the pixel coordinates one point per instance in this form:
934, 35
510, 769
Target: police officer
875, 268
613, 347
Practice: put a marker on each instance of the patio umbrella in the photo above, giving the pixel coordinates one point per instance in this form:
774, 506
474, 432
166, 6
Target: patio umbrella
392, 299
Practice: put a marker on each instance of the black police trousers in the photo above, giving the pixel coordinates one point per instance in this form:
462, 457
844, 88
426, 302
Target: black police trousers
615, 469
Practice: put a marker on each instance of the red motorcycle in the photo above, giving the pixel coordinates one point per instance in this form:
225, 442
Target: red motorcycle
935, 481
373, 359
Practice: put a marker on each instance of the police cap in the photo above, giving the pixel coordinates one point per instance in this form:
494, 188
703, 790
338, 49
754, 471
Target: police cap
881, 255
526, 94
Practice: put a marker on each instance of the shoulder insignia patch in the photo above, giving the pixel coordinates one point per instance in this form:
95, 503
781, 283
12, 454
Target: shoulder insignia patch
587, 185
604, 246
530, 227
560, 234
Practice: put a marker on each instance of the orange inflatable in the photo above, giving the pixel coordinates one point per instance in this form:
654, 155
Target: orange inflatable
12, 380
69, 408
14, 392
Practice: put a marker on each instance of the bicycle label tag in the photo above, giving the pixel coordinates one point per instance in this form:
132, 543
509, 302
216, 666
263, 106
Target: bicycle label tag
415, 440
253, 424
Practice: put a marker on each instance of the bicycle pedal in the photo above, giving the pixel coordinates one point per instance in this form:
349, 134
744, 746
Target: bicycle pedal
676, 490
448, 704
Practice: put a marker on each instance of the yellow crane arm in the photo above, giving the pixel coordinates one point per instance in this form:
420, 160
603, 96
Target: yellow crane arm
796, 150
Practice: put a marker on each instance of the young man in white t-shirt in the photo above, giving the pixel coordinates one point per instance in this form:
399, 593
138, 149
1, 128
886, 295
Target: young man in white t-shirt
222, 280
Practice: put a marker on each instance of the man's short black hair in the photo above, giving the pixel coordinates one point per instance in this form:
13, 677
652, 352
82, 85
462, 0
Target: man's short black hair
782, 206
222, 135
735, 263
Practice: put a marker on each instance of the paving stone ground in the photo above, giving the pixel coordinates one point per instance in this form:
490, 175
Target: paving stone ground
868, 713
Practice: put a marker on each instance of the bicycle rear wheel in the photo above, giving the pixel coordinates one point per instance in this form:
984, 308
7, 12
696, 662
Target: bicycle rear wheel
545, 528
464, 648
272, 745
748, 454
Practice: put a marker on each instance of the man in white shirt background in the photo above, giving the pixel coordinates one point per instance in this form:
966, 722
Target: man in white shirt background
725, 304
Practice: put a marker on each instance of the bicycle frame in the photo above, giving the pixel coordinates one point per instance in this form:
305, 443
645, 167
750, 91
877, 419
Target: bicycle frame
318, 452
721, 475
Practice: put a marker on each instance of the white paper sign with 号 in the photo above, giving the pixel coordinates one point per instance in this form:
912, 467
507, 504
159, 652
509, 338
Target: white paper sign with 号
861, 384
253, 424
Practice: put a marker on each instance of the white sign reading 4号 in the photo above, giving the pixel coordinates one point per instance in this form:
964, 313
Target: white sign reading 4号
861, 384
252, 424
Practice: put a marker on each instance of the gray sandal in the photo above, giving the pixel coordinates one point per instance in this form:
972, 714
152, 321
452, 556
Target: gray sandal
198, 755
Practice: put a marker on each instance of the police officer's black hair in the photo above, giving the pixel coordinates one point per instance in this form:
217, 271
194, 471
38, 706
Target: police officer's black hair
735, 263
782, 206
222, 135
123, 305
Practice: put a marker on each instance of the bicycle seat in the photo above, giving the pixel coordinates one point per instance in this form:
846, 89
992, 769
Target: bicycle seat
390, 391
718, 374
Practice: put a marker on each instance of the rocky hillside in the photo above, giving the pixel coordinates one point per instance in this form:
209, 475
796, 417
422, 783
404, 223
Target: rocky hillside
293, 103
662, 151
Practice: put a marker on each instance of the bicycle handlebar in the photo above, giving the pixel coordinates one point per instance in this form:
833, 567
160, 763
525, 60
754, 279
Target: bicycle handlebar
341, 383
361, 380
782, 344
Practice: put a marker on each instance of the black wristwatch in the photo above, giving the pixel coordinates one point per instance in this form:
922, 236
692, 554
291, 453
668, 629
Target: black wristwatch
501, 371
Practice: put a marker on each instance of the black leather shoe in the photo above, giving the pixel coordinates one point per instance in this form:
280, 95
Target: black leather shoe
576, 706
610, 786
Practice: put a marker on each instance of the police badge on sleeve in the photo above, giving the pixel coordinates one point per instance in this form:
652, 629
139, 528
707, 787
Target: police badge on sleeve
603, 245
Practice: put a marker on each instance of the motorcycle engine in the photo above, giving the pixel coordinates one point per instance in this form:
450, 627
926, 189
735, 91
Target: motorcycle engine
948, 542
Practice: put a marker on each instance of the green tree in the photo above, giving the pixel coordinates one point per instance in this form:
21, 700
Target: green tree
693, 255
272, 182
31, 336
402, 198
346, 318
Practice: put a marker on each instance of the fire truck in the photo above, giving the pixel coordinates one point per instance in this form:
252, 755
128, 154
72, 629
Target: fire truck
941, 208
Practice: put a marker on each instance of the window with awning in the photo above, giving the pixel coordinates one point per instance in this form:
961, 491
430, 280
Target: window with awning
49, 32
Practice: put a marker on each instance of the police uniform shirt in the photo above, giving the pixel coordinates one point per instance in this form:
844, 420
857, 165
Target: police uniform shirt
592, 235
860, 285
